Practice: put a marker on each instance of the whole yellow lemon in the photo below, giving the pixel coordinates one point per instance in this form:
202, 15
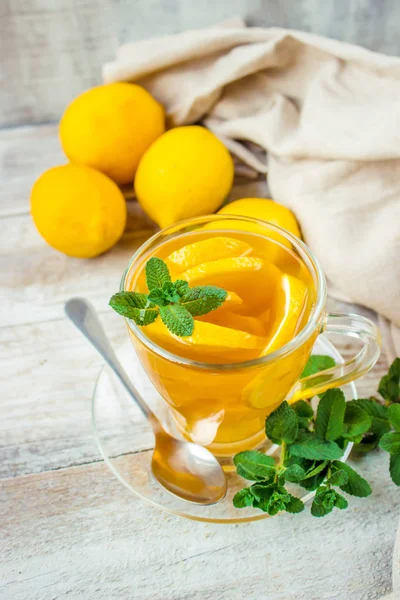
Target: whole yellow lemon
110, 127
185, 173
264, 209
78, 211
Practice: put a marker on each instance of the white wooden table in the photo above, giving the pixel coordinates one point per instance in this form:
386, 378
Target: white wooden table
69, 529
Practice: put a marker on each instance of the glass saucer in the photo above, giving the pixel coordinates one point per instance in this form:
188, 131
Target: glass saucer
126, 441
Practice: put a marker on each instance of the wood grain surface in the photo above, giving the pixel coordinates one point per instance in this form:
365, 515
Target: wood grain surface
51, 50
77, 533
69, 529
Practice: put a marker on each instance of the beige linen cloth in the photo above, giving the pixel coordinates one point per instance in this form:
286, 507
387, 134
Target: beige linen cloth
327, 114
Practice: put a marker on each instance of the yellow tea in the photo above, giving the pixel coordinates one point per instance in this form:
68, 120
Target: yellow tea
220, 393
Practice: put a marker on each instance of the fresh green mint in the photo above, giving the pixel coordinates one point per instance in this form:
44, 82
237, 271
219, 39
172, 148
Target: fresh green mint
157, 273
282, 425
254, 466
174, 301
312, 444
317, 363
134, 306
330, 415
391, 442
389, 387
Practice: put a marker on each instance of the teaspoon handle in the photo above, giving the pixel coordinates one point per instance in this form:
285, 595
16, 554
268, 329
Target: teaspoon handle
84, 317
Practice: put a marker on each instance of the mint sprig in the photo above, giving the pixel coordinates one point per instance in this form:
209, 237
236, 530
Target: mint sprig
157, 273
389, 386
391, 442
313, 442
134, 306
202, 299
317, 363
174, 301
178, 320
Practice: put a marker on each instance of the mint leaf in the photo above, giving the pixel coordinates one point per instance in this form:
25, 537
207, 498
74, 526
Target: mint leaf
316, 469
395, 468
318, 510
262, 492
181, 287
178, 320
394, 416
380, 423
340, 501
324, 502
254, 465
295, 505
314, 482
377, 411
389, 386
330, 415
201, 300
356, 485
368, 443
278, 501
372, 407
282, 424
271, 498
296, 460
317, 363
294, 473
303, 409
338, 478
391, 442
304, 423
135, 306
157, 297
326, 499
170, 292
243, 498
309, 446
157, 273
261, 504
356, 420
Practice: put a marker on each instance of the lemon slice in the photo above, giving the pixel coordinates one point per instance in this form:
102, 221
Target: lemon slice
234, 321
266, 210
207, 250
290, 303
208, 342
252, 278
231, 301
208, 272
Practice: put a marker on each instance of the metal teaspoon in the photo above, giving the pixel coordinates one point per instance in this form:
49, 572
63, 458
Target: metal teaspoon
185, 469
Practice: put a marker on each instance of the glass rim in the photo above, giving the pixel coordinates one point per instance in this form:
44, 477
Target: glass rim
298, 340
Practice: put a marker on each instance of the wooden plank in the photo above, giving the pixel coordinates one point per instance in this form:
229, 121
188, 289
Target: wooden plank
51, 51
79, 533
369, 23
47, 377
36, 279
25, 152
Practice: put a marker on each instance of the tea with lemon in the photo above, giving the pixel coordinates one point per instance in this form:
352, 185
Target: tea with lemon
222, 394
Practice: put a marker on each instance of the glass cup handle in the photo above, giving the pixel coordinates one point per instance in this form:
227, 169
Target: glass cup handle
354, 326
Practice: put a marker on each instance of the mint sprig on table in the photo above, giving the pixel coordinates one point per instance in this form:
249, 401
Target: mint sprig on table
313, 442
174, 301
